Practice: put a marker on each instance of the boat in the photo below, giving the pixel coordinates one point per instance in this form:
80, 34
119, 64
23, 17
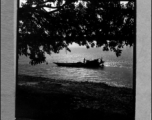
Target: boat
87, 64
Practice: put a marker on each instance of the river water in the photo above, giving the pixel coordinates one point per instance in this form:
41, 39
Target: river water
118, 71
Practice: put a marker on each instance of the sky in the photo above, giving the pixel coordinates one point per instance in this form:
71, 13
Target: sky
74, 45
122, 2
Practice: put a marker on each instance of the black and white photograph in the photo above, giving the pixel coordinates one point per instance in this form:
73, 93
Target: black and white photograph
76, 60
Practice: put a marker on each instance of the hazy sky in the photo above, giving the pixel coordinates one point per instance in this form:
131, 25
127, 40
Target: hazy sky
122, 2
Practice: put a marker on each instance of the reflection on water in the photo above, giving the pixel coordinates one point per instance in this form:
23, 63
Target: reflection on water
117, 71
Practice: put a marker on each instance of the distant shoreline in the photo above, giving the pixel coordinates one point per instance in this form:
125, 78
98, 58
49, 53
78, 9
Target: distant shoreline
42, 98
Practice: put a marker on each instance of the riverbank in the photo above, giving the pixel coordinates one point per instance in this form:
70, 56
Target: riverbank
41, 98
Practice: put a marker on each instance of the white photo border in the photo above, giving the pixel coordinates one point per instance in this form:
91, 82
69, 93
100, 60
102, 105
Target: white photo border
8, 59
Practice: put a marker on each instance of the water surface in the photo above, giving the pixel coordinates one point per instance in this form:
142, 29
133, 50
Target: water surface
118, 71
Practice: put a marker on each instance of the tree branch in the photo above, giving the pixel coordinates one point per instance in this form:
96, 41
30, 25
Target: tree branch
49, 6
45, 2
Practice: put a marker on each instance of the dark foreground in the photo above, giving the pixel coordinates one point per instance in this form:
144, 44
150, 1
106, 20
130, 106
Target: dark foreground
47, 99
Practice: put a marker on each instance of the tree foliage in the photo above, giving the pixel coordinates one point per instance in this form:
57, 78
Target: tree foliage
46, 26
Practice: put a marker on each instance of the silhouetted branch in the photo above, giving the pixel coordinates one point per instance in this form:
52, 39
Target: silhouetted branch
44, 31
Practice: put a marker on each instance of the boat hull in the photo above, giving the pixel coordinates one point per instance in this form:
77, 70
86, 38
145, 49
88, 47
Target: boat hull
79, 65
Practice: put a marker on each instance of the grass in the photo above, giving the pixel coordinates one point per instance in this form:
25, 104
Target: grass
49, 99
